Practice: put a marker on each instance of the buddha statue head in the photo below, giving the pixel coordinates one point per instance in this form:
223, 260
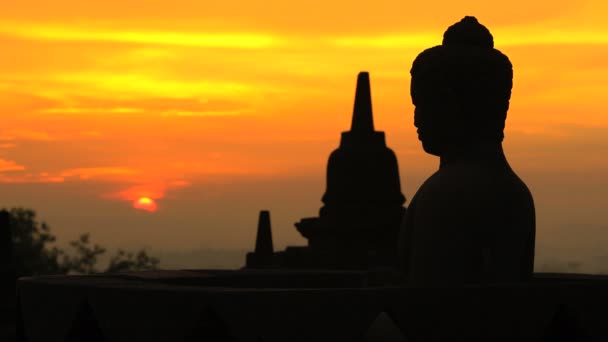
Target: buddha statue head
461, 90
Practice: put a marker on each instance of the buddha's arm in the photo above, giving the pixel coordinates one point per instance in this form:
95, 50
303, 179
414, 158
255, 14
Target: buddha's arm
405, 239
528, 258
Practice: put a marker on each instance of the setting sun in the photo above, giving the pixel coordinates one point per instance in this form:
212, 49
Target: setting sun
145, 203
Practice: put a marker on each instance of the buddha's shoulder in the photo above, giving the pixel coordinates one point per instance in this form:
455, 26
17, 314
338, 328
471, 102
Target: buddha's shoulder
474, 182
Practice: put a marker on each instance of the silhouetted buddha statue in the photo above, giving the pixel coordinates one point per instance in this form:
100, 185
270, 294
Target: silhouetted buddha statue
473, 220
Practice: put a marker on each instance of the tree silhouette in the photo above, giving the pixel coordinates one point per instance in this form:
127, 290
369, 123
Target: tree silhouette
36, 255
128, 261
32, 245
84, 259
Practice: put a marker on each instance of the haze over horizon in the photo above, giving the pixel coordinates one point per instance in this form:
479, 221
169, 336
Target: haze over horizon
215, 111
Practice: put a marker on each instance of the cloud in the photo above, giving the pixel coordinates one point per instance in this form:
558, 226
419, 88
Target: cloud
393, 41
9, 165
91, 173
9, 137
539, 130
502, 37
317, 16
25, 134
20, 178
190, 106
153, 190
204, 113
90, 110
16, 96
385, 35
91, 134
98, 172
244, 40
218, 165
142, 85
30, 178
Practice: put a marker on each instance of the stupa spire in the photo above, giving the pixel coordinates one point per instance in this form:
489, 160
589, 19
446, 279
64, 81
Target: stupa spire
263, 243
363, 120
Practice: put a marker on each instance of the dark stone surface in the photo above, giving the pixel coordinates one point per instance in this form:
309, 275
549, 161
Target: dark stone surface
7, 261
384, 329
473, 220
565, 326
7, 280
210, 327
85, 326
172, 306
7, 272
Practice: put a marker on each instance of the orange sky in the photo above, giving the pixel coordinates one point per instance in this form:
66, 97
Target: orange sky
217, 109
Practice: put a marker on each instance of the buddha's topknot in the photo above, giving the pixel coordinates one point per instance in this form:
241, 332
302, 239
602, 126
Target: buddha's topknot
468, 32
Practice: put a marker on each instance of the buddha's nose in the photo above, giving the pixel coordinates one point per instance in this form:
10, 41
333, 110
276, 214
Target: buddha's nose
417, 122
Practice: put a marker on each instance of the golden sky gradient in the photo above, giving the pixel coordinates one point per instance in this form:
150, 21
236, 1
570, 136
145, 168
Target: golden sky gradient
217, 109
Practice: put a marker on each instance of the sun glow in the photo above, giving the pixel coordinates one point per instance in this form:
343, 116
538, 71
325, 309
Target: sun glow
145, 203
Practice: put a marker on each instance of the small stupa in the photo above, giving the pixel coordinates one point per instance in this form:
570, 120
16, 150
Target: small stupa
264, 252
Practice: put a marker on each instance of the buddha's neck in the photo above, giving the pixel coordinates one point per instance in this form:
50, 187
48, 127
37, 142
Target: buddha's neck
486, 152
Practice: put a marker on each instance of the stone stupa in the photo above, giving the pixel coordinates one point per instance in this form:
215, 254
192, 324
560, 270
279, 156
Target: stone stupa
358, 225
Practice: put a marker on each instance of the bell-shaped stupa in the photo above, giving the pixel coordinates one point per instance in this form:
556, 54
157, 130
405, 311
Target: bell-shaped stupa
359, 222
363, 203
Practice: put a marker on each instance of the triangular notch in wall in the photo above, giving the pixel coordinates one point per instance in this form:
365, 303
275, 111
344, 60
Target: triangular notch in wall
209, 327
85, 326
384, 329
565, 326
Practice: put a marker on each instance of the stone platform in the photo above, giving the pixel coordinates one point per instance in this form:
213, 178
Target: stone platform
274, 305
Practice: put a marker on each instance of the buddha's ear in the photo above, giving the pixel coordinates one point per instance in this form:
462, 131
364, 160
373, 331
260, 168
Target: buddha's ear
454, 103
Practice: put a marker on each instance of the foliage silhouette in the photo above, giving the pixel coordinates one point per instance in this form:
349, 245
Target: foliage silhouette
36, 255
129, 261
85, 258
32, 245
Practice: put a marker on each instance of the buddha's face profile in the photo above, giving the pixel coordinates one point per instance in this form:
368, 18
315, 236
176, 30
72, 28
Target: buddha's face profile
431, 118
461, 90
